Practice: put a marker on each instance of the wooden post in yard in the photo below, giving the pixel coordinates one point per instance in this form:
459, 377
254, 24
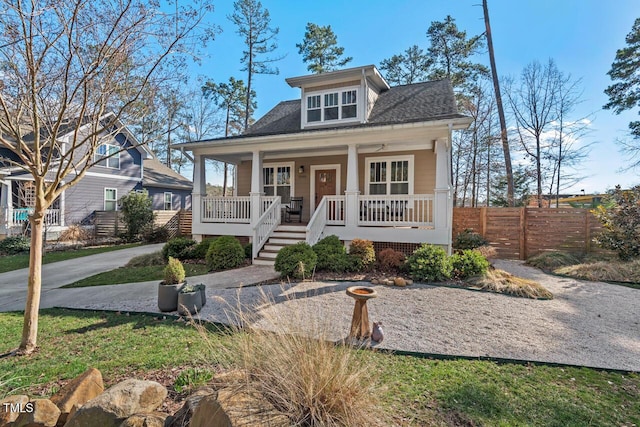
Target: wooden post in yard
523, 235
483, 221
587, 231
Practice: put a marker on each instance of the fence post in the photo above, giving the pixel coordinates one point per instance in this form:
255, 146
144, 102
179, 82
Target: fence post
483, 221
523, 233
587, 231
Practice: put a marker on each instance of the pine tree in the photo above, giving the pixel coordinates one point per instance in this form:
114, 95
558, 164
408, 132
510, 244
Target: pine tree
409, 67
320, 49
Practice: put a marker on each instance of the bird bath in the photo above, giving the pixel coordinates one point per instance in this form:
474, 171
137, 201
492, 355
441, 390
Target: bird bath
360, 321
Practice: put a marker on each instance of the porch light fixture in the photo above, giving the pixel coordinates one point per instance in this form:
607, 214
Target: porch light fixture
301, 169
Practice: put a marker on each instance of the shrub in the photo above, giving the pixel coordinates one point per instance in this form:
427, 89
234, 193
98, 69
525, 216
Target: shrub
620, 218
332, 255
248, 251
137, 214
362, 254
549, 261
75, 233
469, 239
296, 261
15, 245
224, 253
178, 247
390, 259
429, 263
199, 251
174, 272
468, 263
156, 235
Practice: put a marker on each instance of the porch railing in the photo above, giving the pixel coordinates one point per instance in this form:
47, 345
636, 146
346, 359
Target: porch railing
265, 202
267, 222
396, 210
317, 222
19, 216
335, 210
226, 209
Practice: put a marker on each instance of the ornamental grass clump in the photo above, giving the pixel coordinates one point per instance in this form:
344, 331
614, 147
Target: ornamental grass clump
174, 272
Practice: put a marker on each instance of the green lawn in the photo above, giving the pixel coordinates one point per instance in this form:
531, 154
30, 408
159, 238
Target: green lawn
416, 391
16, 262
134, 274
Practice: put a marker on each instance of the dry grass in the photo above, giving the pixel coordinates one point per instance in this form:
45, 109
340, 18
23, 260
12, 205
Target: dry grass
147, 260
487, 251
290, 363
549, 261
499, 281
607, 271
75, 233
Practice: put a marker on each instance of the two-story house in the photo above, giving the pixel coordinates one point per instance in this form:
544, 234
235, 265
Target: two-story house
368, 160
122, 165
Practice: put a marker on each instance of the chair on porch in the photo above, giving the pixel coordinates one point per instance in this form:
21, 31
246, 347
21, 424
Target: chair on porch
294, 208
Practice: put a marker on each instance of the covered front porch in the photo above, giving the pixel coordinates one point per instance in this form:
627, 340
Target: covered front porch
16, 204
381, 191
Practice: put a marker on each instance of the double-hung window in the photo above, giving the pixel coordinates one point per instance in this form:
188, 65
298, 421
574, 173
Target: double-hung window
332, 105
277, 181
110, 199
108, 155
168, 201
388, 176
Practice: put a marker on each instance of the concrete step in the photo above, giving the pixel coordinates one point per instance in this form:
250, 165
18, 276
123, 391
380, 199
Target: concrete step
288, 235
263, 261
283, 242
274, 247
268, 254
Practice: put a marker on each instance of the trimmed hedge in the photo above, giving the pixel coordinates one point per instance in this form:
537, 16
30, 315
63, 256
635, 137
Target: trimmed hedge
224, 253
468, 263
332, 255
178, 247
296, 261
362, 254
429, 263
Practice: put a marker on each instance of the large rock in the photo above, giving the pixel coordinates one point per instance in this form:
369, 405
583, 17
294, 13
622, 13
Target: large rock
118, 403
43, 414
150, 419
78, 391
11, 406
182, 418
234, 408
399, 281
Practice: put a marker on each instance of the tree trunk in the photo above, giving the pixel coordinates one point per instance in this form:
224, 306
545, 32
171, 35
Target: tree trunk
34, 287
503, 121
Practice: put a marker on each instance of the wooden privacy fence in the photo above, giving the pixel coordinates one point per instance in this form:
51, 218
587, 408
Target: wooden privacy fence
518, 233
110, 223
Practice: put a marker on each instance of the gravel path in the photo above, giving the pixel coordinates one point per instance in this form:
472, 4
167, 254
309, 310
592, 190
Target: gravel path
587, 323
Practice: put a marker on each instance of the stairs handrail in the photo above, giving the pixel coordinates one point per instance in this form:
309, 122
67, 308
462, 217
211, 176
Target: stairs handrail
317, 223
265, 225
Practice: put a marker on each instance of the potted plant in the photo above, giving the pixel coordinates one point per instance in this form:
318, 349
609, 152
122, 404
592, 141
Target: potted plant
202, 289
168, 289
189, 300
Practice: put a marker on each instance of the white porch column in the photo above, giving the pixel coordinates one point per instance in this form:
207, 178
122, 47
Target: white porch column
199, 192
352, 190
5, 196
443, 209
256, 186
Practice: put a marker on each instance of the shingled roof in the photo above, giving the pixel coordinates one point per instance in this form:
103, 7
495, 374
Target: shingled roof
156, 174
400, 104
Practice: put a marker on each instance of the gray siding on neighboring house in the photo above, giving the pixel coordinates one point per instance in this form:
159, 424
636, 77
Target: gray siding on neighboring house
130, 161
88, 196
181, 198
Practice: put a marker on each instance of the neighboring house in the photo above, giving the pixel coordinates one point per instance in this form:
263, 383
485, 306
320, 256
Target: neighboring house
134, 169
369, 161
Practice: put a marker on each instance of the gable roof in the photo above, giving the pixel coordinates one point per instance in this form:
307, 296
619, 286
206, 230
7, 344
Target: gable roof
400, 104
157, 174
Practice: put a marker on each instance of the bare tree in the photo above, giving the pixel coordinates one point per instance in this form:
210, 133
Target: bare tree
503, 121
76, 68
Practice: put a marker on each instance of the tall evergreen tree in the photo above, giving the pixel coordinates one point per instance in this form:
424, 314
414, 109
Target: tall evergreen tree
320, 49
411, 66
253, 22
624, 94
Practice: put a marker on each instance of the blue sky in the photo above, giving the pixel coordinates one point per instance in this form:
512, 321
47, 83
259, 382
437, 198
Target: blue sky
581, 36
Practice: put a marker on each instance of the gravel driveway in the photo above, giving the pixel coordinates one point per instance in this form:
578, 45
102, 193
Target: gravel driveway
587, 323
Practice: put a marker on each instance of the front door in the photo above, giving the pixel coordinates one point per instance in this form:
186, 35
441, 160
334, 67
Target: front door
325, 184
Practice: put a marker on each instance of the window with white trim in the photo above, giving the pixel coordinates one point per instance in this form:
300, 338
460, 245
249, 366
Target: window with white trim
393, 175
332, 105
168, 201
277, 181
110, 199
108, 155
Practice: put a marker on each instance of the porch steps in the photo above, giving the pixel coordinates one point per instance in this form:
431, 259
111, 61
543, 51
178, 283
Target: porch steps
283, 235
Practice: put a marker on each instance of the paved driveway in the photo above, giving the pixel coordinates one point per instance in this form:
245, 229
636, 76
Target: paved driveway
13, 284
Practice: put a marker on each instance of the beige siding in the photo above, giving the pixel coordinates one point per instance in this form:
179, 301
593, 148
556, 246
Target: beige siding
331, 86
424, 173
372, 97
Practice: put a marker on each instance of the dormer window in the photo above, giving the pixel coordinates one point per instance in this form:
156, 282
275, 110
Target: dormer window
332, 105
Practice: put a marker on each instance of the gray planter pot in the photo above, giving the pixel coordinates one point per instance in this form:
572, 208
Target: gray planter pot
203, 293
189, 303
168, 296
